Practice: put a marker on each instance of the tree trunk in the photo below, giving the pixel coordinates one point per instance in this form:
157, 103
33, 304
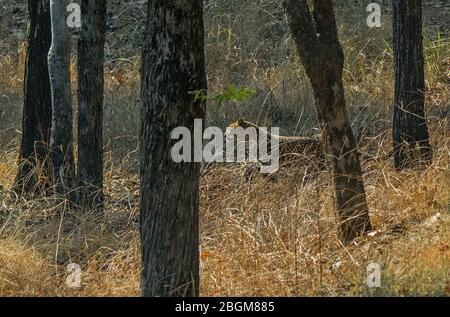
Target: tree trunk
34, 166
173, 66
321, 53
410, 131
59, 68
90, 104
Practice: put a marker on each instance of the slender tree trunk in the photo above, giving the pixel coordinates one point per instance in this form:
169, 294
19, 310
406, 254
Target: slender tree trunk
321, 53
410, 131
90, 104
173, 66
34, 166
59, 68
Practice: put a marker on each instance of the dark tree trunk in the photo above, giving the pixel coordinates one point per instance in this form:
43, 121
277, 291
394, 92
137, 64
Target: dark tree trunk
410, 131
59, 68
90, 104
34, 162
173, 66
321, 53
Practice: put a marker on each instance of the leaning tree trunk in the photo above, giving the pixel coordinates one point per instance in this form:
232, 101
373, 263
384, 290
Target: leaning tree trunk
410, 131
173, 66
59, 68
321, 53
34, 163
90, 104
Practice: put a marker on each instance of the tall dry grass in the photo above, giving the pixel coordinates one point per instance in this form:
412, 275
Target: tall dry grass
268, 236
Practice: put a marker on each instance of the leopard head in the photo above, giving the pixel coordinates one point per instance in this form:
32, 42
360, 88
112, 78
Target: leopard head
243, 123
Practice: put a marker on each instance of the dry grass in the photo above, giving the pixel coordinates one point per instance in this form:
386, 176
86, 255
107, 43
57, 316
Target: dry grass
263, 237
267, 237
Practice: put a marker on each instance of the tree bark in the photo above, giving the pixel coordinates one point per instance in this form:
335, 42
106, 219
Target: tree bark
90, 104
61, 143
410, 131
317, 42
173, 66
34, 165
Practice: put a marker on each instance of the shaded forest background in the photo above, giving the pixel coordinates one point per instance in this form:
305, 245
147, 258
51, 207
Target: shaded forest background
264, 238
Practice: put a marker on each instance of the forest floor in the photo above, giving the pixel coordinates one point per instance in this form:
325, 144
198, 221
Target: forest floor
263, 237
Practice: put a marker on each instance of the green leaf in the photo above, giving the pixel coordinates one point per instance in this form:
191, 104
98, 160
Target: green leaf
231, 93
199, 95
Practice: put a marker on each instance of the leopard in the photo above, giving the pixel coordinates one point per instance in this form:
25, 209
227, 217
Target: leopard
294, 151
